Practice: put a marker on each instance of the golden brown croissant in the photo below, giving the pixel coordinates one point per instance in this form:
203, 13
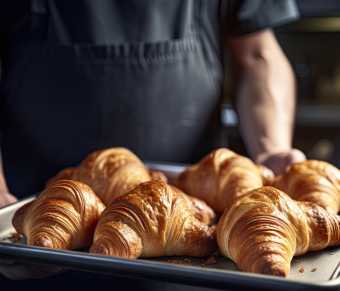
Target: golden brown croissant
264, 228
313, 181
151, 221
64, 216
110, 173
219, 178
268, 177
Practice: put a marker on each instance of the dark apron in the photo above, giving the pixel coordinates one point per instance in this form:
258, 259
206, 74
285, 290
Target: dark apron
138, 74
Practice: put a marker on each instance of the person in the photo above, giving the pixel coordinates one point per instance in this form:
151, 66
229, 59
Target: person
82, 75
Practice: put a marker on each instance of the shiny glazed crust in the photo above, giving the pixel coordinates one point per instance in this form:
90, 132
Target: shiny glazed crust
219, 178
312, 181
110, 173
264, 228
150, 221
63, 217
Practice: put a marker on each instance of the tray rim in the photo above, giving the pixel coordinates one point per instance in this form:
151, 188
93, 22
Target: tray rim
145, 269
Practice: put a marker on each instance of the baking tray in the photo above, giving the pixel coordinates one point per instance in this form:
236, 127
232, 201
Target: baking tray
223, 275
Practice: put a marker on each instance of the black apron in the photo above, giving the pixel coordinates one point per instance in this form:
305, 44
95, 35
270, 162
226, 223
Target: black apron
145, 75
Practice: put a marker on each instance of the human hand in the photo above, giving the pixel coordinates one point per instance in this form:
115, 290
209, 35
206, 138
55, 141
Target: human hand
19, 271
278, 162
6, 199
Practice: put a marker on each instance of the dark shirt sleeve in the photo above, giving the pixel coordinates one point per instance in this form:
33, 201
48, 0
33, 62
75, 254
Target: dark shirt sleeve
247, 16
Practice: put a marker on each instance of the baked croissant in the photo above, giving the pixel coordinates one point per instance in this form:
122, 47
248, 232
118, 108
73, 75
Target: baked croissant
313, 181
264, 228
219, 178
110, 173
152, 220
63, 217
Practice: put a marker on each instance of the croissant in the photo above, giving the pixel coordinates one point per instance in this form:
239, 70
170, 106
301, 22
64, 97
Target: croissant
152, 220
313, 181
110, 173
219, 178
264, 228
64, 216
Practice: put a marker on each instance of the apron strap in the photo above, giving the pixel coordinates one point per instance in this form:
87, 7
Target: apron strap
39, 18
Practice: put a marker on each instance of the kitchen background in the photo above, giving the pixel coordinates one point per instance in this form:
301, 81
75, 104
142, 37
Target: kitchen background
312, 45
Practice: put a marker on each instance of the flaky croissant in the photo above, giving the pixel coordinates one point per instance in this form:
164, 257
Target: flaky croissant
110, 173
64, 216
151, 221
313, 181
264, 228
219, 178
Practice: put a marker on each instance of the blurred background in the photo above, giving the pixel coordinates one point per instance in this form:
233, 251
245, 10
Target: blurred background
312, 46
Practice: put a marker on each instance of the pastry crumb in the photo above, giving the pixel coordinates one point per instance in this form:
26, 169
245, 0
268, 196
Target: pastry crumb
14, 238
210, 261
184, 261
296, 261
301, 270
314, 269
331, 253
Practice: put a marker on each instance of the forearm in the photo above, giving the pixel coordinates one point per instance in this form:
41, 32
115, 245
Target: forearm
3, 185
265, 101
5, 197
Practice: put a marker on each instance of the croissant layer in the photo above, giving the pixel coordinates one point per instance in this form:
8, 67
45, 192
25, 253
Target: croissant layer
312, 181
110, 173
219, 178
64, 216
150, 221
264, 228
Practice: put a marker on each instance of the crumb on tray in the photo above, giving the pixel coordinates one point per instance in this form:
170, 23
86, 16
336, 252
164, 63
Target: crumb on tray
314, 269
184, 261
301, 270
210, 261
14, 238
331, 253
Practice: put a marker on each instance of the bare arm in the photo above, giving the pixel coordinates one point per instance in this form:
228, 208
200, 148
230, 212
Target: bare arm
5, 197
265, 99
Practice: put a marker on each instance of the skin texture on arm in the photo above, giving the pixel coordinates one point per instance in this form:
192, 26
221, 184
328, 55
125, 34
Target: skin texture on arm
265, 99
5, 197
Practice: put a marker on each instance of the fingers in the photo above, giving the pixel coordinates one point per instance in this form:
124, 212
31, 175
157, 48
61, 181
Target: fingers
20, 271
278, 162
295, 156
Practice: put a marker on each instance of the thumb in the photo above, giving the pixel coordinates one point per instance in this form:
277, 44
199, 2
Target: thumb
295, 156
